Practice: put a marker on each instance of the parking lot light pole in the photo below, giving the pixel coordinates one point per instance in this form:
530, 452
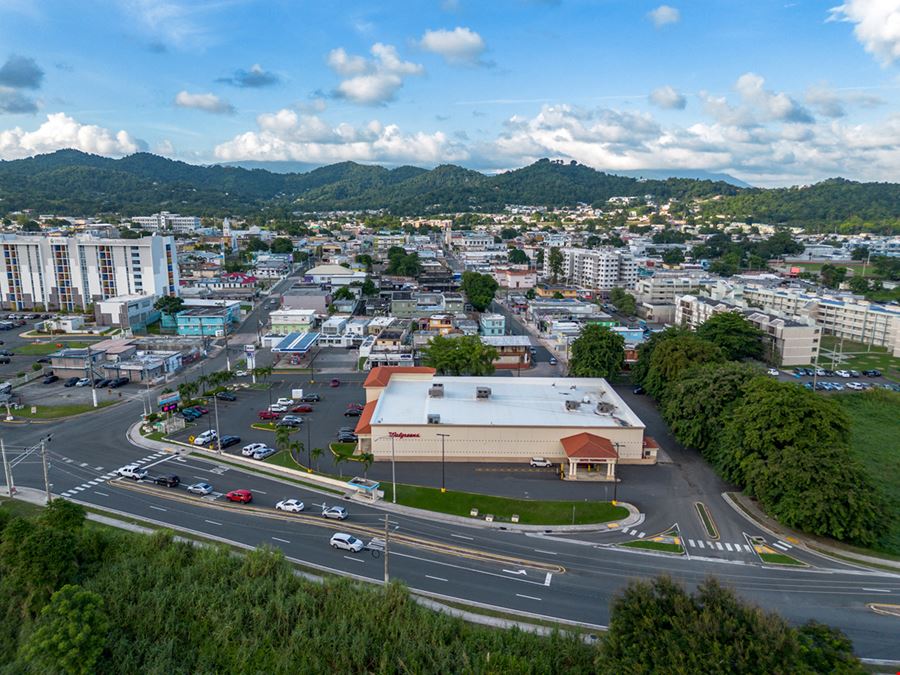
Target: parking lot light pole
443, 486
393, 472
218, 438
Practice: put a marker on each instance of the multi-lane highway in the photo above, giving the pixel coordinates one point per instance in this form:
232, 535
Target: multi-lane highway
571, 577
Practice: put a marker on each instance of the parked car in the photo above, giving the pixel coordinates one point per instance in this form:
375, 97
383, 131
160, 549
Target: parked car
169, 480
83, 382
289, 421
773, 372
334, 383
241, 496
71, 382
50, 379
249, 449
228, 441
285, 401
200, 409
872, 373
290, 505
352, 412
855, 373
553, 361
346, 542
265, 453
133, 471
358, 406
226, 396
347, 438
335, 512
311, 398
540, 462
856, 386
302, 409
5, 359
278, 407
6, 352
118, 382
189, 414
268, 415
205, 437
200, 488
842, 373
241, 373
43, 359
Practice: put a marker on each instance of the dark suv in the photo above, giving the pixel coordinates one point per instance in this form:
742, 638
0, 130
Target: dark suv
311, 398
169, 480
118, 382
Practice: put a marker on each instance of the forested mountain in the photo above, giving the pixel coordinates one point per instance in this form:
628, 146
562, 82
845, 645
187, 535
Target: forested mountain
74, 183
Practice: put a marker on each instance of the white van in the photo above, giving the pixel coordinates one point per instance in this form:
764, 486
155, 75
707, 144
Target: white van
205, 437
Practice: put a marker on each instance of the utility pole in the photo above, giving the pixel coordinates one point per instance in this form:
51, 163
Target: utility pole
7, 472
218, 440
89, 368
46, 469
225, 333
393, 472
443, 486
386, 545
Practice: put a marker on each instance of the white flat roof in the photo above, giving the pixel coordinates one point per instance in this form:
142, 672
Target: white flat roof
514, 401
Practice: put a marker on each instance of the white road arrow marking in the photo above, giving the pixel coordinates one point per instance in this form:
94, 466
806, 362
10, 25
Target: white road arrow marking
522, 572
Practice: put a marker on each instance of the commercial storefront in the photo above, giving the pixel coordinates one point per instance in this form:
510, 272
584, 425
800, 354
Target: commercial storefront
580, 424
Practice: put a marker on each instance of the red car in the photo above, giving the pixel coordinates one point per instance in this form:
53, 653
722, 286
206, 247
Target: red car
242, 496
302, 409
355, 406
335, 383
200, 409
268, 415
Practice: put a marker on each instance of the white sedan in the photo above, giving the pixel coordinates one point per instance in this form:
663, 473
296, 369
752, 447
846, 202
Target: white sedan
773, 372
248, 450
83, 382
290, 505
278, 407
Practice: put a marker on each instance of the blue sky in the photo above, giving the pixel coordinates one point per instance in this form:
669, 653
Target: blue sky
773, 92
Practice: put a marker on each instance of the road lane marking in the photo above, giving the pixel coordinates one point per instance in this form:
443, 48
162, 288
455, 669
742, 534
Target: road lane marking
779, 546
260, 492
102, 494
641, 535
212, 522
460, 536
395, 553
282, 540
719, 546
527, 597
350, 557
158, 508
520, 572
428, 576
199, 478
537, 550
876, 590
784, 543
547, 579
83, 464
700, 542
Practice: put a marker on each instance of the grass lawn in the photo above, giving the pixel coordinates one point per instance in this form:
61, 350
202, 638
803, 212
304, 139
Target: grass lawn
656, 546
270, 426
52, 412
856, 356
283, 458
875, 442
17, 507
343, 450
708, 523
779, 559
156, 436
530, 512
45, 348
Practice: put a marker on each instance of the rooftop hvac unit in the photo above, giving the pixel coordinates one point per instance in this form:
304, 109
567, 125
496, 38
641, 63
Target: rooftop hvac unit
434, 418
573, 405
436, 391
605, 408
482, 392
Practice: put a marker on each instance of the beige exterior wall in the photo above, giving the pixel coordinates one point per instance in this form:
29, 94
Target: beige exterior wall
494, 443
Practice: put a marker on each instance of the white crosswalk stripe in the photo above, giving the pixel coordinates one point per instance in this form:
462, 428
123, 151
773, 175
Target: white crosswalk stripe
641, 535
691, 543
779, 546
719, 546
728, 546
784, 543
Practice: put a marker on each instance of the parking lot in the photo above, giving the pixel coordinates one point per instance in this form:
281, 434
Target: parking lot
836, 380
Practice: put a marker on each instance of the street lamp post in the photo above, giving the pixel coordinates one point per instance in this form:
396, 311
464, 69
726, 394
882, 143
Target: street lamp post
443, 485
393, 472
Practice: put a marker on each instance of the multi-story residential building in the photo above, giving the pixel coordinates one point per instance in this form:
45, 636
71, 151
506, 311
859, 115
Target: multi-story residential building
408, 305
168, 221
599, 269
492, 324
514, 278
126, 311
663, 288
692, 311
71, 273
787, 342
285, 321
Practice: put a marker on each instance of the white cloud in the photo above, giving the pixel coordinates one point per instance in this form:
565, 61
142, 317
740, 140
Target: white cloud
757, 105
288, 135
371, 81
165, 148
830, 102
664, 15
207, 102
877, 26
61, 131
460, 46
166, 20
667, 97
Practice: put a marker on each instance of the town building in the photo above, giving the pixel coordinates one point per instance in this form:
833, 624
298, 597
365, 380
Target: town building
168, 221
408, 304
72, 273
214, 320
513, 351
580, 423
284, 321
512, 278
787, 342
333, 275
132, 312
598, 269
492, 324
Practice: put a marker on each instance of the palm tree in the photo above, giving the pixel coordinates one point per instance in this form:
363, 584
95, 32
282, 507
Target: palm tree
316, 453
282, 437
296, 449
366, 460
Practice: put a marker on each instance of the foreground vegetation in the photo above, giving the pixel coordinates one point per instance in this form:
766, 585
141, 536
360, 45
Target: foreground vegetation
75, 598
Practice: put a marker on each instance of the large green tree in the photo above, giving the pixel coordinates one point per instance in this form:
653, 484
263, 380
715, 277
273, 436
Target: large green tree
169, 304
555, 263
597, 352
788, 447
464, 355
641, 369
673, 357
736, 336
517, 256
282, 245
697, 402
70, 635
623, 301
657, 627
479, 289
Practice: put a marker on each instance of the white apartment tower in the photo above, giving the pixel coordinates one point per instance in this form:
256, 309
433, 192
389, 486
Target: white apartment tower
599, 269
70, 273
168, 221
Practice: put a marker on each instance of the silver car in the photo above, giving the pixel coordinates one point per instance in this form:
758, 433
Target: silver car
200, 488
335, 512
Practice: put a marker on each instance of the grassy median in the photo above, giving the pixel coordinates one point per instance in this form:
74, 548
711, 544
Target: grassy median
530, 512
52, 412
661, 546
